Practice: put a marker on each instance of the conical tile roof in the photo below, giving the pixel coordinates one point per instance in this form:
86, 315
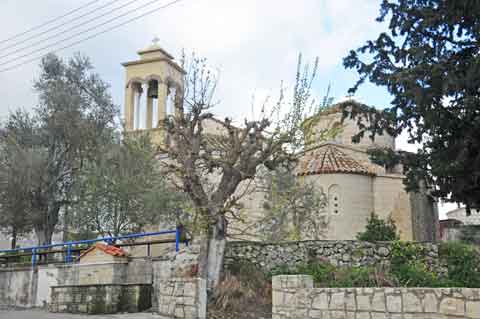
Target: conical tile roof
330, 159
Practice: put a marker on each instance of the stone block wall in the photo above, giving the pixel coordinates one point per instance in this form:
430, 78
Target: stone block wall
295, 297
268, 256
30, 287
182, 298
100, 299
18, 287
177, 290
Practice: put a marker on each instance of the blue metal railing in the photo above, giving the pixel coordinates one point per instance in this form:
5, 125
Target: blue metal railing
109, 240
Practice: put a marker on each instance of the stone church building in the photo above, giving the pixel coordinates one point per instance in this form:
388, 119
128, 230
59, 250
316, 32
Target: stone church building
342, 170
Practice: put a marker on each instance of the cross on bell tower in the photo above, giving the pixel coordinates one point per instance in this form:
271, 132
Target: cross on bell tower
151, 81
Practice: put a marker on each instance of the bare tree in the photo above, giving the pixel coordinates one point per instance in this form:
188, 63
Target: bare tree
209, 167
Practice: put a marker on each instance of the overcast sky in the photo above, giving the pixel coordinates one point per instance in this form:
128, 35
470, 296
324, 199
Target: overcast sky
254, 44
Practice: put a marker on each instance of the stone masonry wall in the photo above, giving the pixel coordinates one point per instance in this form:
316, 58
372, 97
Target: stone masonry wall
340, 253
182, 298
100, 299
295, 297
177, 290
30, 287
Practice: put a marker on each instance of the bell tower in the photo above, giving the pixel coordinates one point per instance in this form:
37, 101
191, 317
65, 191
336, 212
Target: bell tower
153, 82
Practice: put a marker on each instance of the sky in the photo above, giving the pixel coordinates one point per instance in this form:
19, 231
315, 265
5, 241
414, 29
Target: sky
253, 43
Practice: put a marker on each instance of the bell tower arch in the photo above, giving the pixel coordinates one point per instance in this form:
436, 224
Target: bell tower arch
152, 83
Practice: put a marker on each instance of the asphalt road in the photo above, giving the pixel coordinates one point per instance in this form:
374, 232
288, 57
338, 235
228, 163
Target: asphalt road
37, 314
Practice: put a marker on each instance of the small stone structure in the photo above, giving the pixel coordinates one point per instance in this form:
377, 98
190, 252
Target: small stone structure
169, 284
100, 299
295, 297
339, 253
102, 253
30, 287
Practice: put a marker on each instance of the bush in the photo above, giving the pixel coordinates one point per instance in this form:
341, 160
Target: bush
326, 275
378, 229
463, 264
409, 266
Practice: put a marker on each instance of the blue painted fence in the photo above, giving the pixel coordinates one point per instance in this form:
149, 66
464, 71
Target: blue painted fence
109, 240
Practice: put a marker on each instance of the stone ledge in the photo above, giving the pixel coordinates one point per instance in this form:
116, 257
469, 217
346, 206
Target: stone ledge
379, 302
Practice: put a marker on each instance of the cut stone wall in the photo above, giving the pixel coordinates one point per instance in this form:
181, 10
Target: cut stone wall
18, 287
100, 299
177, 291
295, 297
30, 287
182, 298
268, 256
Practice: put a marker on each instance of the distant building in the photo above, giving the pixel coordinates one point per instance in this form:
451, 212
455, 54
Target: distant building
457, 219
460, 214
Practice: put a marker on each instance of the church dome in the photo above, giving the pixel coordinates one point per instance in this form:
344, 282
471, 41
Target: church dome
328, 126
330, 159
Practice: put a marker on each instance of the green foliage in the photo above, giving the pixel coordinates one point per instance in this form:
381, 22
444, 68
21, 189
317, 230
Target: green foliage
386, 157
321, 272
75, 114
428, 60
123, 191
325, 274
409, 266
378, 229
463, 263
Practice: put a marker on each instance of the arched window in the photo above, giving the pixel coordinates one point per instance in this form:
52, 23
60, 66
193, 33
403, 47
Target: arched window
334, 199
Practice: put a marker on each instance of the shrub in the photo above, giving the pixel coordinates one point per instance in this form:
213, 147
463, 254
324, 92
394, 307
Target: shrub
463, 264
409, 266
326, 275
378, 229
321, 272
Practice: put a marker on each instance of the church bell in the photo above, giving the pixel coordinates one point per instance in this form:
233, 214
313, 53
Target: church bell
152, 89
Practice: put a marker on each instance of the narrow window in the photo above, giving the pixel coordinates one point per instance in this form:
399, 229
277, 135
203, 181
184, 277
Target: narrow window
334, 199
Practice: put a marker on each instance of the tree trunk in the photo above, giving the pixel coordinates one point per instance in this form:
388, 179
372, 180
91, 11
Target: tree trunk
13, 244
44, 235
213, 253
66, 224
44, 230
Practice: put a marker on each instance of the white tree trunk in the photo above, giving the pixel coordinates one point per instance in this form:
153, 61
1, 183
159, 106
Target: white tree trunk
213, 253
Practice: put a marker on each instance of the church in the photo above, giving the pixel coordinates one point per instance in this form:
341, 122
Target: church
354, 185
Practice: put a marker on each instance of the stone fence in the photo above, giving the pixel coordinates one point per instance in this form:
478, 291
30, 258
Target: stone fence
268, 256
101, 299
294, 297
30, 287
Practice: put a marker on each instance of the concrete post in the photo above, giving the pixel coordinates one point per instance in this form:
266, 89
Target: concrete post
149, 112
162, 102
138, 107
129, 106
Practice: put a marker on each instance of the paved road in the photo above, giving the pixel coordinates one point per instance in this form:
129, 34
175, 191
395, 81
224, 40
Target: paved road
37, 314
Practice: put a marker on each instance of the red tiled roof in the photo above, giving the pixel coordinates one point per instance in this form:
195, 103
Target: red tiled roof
330, 159
108, 249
